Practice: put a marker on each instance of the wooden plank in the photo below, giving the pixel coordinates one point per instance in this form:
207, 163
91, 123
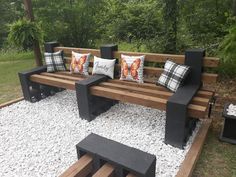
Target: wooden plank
81, 168
150, 57
152, 71
68, 50
151, 92
61, 83
11, 102
189, 163
60, 76
106, 170
131, 175
149, 101
201, 93
161, 58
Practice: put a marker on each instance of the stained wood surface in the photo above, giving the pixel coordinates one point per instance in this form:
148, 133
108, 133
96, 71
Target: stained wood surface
11, 102
161, 58
68, 50
150, 57
196, 111
188, 165
81, 168
146, 94
106, 170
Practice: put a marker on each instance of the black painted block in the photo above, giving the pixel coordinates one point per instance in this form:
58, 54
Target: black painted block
125, 159
89, 105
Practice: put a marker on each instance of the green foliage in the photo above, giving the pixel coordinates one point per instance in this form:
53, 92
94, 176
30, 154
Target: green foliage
228, 46
23, 33
164, 26
227, 51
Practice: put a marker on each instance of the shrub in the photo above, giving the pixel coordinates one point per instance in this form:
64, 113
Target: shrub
227, 51
23, 33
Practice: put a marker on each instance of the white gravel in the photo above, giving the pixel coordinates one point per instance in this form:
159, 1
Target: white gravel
231, 111
39, 139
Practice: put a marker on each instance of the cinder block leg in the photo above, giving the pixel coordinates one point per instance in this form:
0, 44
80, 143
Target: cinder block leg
89, 105
31, 90
176, 122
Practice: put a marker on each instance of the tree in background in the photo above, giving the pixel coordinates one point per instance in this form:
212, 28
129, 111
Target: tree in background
35, 36
170, 15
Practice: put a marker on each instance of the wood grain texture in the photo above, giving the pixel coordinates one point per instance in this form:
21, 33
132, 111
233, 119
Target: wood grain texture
61, 83
196, 111
161, 58
188, 165
81, 168
106, 170
68, 50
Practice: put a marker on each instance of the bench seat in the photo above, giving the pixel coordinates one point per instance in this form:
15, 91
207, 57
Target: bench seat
146, 94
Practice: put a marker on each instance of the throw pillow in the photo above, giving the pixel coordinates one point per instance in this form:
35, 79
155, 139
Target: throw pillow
55, 61
104, 66
132, 68
173, 75
80, 63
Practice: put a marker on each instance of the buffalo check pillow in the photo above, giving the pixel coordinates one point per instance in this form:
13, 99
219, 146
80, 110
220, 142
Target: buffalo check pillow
173, 75
55, 61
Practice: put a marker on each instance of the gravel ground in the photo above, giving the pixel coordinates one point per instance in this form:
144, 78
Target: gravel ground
39, 139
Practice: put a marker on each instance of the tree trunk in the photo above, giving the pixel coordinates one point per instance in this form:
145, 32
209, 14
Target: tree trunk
36, 47
170, 20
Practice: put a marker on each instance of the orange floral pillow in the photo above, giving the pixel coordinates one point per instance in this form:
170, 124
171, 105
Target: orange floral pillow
80, 63
132, 68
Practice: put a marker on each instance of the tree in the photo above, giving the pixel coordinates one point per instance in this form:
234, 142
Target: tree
36, 47
170, 20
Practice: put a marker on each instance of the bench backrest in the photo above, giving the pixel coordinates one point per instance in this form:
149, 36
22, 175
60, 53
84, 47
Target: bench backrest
154, 62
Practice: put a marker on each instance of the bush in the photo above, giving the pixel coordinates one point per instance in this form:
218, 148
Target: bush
227, 51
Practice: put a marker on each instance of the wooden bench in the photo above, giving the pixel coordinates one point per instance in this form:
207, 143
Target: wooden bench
98, 93
101, 157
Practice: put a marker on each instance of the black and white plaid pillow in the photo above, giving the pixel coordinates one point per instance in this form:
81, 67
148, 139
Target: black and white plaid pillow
55, 61
173, 75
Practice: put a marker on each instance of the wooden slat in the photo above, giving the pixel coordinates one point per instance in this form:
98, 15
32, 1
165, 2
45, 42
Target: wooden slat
155, 71
131, 175
161, 58
152, 92
11, 102
81, 168
188, 165
61, 83
68, 50
149, 101
152, 71
106, 170
56, 75
201, 93
73, 77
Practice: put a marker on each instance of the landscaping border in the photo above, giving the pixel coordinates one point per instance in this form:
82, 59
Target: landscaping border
11, 102
188, 165
191, 158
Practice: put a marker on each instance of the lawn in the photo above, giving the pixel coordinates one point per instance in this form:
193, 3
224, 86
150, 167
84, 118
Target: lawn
10, 64
217, 159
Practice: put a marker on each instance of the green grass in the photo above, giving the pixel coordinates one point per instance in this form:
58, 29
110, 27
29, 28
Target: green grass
218, 159
10, 64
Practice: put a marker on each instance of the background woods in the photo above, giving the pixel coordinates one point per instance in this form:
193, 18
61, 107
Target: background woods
168, 26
